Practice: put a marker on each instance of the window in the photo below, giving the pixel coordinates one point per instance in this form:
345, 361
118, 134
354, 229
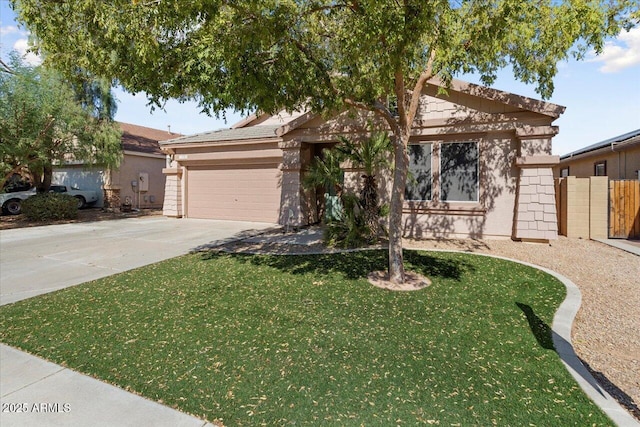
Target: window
459, 172
419, 177
600, 168
564, 172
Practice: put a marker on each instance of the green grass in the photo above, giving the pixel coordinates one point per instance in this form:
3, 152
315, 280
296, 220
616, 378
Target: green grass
277, 340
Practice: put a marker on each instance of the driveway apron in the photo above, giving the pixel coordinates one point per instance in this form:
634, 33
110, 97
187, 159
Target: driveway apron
38, 260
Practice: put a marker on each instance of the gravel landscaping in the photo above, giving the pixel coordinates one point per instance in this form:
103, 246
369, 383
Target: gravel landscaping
606, 334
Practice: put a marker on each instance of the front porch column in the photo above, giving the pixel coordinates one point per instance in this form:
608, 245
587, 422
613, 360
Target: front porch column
172, 206
535, 217
291, 184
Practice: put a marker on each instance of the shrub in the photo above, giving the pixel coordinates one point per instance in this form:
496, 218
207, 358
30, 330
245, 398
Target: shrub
43, 207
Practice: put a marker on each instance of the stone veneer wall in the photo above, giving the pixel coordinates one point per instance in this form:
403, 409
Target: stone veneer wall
172, 206
112, 199
536, 217
291, 202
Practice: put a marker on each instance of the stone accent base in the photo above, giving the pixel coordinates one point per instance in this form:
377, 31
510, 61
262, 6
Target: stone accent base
112, 199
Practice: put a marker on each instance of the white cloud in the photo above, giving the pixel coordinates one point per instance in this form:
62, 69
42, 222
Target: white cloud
622, 53
9, 29
22, 47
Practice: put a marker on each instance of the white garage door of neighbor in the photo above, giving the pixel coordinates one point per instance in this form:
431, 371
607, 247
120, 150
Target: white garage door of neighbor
240, 193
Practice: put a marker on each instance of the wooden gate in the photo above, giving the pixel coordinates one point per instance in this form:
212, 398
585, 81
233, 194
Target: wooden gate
624, 209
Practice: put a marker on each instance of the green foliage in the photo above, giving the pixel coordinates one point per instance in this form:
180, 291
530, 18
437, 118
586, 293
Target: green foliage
357, 221
350, 229
42, 124
306, 340
47, 206
326, 172
276, 54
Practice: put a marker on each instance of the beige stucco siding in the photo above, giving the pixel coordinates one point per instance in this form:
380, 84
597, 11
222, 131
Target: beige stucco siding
132, 165
621, 163
490, 217
244, 193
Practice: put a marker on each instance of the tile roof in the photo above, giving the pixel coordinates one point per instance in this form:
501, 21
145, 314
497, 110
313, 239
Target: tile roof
607, 142
143, 139
251, 132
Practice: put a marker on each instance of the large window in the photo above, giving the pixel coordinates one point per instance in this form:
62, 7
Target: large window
419, 177
459, 172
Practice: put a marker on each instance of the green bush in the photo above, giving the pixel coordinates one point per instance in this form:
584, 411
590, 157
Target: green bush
47, 206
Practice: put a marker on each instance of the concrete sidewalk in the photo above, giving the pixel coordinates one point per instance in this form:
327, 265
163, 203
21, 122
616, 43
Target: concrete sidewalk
33, 261
35, 392
631, 246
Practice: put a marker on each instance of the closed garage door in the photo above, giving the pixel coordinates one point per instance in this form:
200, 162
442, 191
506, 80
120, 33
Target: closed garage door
241, 193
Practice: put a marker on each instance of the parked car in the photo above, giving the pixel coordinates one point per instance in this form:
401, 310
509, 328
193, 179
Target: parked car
85, 197
12, 202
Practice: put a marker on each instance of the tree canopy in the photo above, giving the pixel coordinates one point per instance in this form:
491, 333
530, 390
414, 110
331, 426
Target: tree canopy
321, 55
44, 121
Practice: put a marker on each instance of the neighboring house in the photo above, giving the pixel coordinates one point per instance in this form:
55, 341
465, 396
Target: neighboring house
139, 178
481, 161
617, 158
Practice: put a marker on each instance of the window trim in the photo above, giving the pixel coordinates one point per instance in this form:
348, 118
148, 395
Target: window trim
433, 181
595, 167
466, 202
435, 205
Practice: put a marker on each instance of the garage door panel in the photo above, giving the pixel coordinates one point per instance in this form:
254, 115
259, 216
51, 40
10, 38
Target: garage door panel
242, 193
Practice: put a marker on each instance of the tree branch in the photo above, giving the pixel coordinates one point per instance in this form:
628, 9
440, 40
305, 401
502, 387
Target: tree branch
5, 68
425, 76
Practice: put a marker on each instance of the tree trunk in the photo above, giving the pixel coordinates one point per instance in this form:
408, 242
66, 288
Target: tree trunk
396, 266
47, 177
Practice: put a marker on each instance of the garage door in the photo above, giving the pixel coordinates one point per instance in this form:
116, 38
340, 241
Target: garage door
240, 193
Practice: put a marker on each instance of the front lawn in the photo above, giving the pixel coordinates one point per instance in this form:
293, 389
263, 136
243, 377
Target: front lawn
278, 340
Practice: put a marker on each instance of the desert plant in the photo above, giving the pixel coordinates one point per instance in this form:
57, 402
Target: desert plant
371, 155
46, 206
327, 173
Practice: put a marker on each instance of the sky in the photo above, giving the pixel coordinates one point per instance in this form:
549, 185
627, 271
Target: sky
601, 94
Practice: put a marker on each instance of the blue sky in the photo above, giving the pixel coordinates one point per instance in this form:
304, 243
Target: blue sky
601, 94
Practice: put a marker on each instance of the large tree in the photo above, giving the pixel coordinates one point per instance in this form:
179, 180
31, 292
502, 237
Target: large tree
45, 120
324, 55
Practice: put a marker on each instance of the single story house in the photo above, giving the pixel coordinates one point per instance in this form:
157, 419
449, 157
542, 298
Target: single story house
482, 159
138, 179
617, 158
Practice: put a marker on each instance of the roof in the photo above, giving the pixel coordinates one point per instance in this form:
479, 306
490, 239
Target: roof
626, 137
143, 139
265, 126
243, 133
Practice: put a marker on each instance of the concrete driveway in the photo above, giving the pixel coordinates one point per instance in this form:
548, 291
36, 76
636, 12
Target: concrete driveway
38, 260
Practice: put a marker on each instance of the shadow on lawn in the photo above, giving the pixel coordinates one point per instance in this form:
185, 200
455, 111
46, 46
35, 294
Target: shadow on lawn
353, 265
550, 340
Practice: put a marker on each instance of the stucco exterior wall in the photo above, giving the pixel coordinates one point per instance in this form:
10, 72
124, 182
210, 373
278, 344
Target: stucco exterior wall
490, 217
513, 134
130, 169
623, 163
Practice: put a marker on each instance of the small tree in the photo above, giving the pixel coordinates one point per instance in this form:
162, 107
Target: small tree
43, 123
358, 220
371, 155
